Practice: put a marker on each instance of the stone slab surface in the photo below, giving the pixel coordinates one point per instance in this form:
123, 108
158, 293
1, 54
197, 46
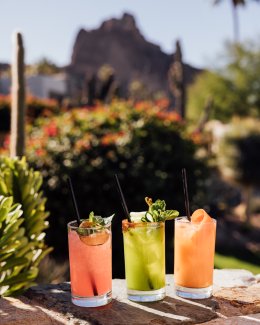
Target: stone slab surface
239, 320
121, 311
22, 312
227, 278
236, 300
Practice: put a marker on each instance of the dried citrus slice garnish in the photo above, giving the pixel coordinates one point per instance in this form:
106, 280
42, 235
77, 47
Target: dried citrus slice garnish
95, 235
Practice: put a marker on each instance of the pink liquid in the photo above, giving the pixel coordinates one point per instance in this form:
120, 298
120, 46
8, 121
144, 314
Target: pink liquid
90, 267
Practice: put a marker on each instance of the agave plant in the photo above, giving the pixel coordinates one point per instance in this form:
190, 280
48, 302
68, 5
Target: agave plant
22, 244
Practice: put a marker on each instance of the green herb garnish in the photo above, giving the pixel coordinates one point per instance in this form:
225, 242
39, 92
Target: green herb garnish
98, 220
93, 221
157, 211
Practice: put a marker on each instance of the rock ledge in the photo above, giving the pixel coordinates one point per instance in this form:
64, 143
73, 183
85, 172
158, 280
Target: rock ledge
236, 300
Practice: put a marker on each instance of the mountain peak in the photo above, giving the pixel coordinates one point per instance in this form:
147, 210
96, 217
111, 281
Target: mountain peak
126, 22
119, 44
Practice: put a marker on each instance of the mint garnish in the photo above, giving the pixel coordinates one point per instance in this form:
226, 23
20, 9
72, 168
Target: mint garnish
98, 220
157, 211
93, 222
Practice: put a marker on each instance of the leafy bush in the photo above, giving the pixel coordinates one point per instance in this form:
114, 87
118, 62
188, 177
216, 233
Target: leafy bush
146, 145
21, 238
35, 107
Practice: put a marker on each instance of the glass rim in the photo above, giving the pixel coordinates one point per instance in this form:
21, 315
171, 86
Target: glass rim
71, 227
143, 224
184, 219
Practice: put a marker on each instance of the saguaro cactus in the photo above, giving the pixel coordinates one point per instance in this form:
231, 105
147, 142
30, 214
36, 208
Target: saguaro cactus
18, 99
177, 81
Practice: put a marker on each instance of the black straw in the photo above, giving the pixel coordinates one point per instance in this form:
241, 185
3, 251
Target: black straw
186, 194
123, 202
74, 200
93, 285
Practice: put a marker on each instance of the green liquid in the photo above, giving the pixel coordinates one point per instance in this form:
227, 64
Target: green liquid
144, 250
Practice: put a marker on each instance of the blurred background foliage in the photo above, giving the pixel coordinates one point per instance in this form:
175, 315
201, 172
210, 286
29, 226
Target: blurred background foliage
234, 86
147, 143
35, 107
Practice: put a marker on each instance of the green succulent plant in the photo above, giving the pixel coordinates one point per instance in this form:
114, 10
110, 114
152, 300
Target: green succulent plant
22, 224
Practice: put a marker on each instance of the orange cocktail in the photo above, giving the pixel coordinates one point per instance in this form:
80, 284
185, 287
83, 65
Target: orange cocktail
194, 248
90, 258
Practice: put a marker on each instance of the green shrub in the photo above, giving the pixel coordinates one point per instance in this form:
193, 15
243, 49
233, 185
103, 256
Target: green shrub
238, 154
21, 238
238, 157
146, 145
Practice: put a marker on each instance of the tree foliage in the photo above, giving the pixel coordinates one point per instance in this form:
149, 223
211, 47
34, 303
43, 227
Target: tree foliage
235, 4
235, 88
43, 66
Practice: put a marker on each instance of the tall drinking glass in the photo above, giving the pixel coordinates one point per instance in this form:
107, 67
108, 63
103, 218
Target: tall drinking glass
144, 250
90, 258
194, 247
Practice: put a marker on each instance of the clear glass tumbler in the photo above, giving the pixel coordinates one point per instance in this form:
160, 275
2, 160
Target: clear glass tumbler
90, 256
194, 248
144, 250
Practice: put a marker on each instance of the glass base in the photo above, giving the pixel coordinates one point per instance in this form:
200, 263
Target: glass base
146, 296
193, 293
95, 301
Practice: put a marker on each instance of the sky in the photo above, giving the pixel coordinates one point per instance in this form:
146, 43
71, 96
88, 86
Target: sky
50, 27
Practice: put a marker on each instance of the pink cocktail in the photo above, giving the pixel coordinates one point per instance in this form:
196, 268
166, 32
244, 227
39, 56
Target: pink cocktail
90, 255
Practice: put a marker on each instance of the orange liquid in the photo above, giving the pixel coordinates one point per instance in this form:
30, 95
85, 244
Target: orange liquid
90, 267
194, 248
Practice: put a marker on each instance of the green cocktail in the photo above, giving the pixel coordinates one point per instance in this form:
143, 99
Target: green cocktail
144, 250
